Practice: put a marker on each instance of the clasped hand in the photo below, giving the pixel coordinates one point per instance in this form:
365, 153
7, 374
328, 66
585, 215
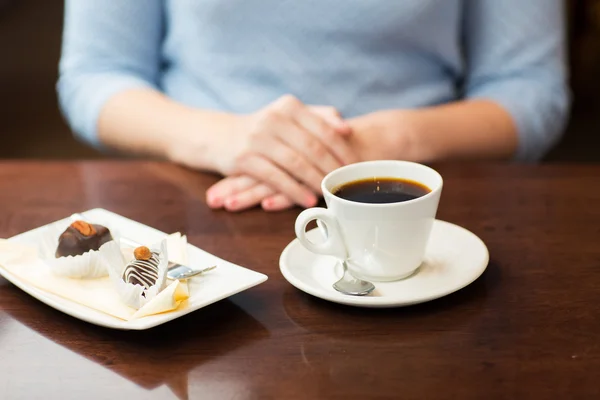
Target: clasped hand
278, 156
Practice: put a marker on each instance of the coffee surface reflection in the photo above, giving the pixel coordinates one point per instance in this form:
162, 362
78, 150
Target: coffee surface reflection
381, 190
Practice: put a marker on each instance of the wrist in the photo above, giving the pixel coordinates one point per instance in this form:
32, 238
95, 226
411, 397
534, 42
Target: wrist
393, 135
462, 130
412, 138
414, 145
199, 139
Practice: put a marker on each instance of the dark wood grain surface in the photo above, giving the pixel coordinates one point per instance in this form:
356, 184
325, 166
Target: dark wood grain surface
528, 328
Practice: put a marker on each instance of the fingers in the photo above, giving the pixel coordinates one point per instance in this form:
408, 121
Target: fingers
335, 143
265, 171
249, 198
258, 194
278, 202
319, 128
333, 117
285, 148
239, 193
225, 188
310, 147
292, 149
294, 163
275, 124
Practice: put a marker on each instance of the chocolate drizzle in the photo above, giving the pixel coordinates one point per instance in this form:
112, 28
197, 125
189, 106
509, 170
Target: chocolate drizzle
142, 272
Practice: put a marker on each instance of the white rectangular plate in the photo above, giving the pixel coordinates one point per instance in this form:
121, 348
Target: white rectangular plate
228, 279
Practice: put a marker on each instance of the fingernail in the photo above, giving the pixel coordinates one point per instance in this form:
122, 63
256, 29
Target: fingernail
214, 200
268, 203
231, 203
310, 201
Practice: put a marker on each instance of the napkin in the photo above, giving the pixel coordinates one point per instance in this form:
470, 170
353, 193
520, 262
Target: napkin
100, 294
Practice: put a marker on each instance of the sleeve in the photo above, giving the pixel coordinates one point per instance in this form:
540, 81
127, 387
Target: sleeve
515, 56
108, 47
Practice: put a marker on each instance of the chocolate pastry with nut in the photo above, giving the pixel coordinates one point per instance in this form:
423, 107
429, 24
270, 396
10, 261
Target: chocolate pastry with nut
143, 270
81, 237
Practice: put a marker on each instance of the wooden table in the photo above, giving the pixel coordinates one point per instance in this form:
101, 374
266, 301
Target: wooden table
528, 328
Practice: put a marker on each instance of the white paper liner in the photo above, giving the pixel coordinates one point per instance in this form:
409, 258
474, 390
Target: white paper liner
116, 259
89, 265
168, 299
177, 248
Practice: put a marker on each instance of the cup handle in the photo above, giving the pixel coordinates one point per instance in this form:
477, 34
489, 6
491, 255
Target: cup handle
333, 245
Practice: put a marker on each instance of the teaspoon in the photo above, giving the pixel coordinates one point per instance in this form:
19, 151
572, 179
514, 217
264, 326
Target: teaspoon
351, 285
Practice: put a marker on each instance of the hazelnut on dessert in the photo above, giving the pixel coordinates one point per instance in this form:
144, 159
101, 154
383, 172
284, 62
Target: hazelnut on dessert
81, 237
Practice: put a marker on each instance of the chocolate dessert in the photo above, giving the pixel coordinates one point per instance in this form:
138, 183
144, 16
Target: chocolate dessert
143, 270
81, 237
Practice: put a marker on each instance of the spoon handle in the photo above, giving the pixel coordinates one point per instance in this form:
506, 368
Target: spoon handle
194, 272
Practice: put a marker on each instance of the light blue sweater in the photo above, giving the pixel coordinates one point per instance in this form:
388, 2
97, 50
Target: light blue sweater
357, 55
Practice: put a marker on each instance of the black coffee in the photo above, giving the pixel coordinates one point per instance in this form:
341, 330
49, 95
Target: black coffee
381, 190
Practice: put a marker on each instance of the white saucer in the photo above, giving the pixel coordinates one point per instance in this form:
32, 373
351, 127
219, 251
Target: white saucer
455, 258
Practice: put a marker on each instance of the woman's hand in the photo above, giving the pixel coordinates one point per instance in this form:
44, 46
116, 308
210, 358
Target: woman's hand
236, 193
375, 136
285, 146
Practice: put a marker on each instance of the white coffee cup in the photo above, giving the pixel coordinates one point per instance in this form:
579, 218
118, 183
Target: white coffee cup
381, 242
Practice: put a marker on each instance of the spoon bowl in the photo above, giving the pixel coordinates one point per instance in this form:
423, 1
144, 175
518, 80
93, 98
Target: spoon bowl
351, 285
